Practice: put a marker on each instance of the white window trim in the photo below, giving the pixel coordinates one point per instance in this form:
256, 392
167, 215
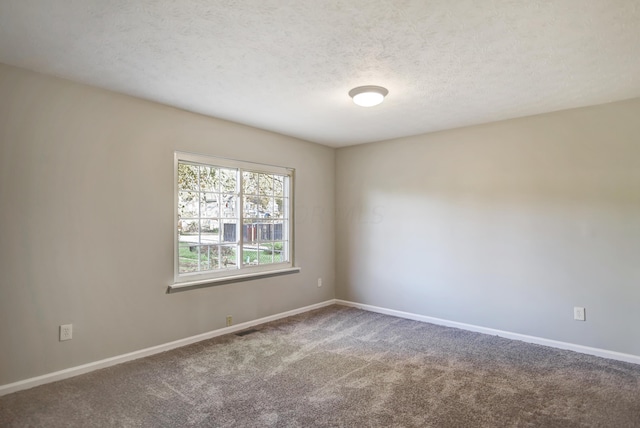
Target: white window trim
242, 273
190, 285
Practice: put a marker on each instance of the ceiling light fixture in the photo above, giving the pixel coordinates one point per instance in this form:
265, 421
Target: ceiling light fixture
368, 96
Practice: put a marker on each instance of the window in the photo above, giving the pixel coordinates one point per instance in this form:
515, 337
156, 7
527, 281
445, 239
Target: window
233, 219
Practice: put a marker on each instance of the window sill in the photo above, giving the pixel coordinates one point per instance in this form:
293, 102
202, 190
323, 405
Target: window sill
191, 285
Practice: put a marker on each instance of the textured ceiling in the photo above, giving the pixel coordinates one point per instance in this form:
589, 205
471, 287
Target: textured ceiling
287, 65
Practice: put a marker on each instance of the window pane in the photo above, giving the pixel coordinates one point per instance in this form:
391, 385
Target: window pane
281, 230
228, 206
258, 206
188, 204
209, 205
271, 252
188, 228
265, 207
265, 231
229, 232
187, 177
250, 254
252, 206
208, 178
209, 231
278, 250
228, 257
283, 254
278, 185
266, 254
277, 231
188, 258
266, 184
268, 207
228, 182
250, 231
278, 208
208, 255
250, 183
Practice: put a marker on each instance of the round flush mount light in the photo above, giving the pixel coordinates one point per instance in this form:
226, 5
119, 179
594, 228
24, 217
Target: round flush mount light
368, 96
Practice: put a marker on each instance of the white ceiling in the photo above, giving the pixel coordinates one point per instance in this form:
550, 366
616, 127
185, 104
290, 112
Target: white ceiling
287, 65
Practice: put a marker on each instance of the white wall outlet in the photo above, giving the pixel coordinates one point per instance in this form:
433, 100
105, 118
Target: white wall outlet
66, 332
229, 320
579, 314
319, 282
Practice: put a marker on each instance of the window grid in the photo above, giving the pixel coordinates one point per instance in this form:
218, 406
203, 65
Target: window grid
210, 248
261, 244
259, 227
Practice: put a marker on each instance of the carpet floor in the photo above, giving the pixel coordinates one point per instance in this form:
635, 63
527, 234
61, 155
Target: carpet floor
342, 367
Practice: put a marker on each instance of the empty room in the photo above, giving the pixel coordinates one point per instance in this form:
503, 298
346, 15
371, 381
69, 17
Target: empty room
334, 213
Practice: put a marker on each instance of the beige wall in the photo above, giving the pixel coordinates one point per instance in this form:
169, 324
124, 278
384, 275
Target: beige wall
86, 224
506, 225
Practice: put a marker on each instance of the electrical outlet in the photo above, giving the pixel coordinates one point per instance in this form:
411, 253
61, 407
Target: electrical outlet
319, 282
229, 320
66, 332
579, 314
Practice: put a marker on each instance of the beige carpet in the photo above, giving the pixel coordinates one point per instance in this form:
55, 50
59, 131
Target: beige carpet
343, 367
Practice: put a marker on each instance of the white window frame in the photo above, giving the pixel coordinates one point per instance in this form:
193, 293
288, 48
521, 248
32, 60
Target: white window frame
242, 271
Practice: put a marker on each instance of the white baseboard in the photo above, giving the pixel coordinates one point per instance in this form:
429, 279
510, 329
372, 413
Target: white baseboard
604, 353
89, 367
